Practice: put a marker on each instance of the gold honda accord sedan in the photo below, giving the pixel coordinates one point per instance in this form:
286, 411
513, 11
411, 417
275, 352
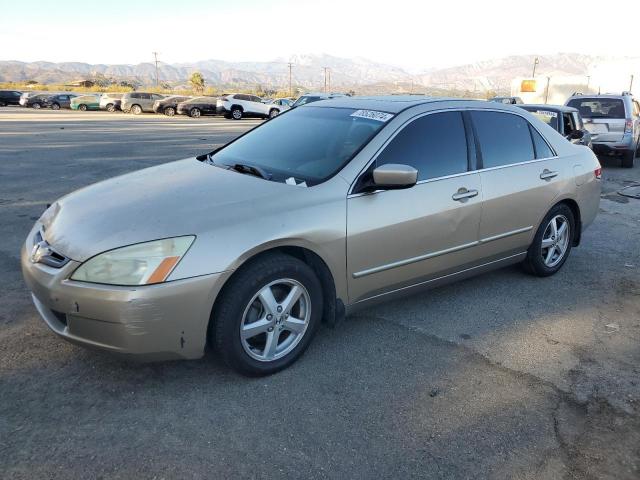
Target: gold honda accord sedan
320, 211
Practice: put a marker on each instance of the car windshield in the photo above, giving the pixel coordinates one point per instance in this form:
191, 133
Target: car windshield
307, 144
547, 116
599, 107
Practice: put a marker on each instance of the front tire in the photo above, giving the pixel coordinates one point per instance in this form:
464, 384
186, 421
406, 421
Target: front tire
267, 315
36, 106
83, 108
628, 159
169, 111
552, 243
136, 109
111, 107
55, 106
273, 113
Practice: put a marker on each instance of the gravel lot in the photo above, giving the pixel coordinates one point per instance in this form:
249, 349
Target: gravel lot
500, 376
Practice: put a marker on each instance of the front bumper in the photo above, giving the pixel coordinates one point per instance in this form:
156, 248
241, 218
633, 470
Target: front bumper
151, 322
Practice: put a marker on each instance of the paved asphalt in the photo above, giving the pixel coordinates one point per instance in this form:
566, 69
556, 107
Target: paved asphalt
500, 376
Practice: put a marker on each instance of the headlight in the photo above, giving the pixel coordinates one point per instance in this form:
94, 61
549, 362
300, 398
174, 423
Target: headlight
140, 264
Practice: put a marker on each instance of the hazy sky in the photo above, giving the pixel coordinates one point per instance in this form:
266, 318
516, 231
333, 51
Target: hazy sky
412, 34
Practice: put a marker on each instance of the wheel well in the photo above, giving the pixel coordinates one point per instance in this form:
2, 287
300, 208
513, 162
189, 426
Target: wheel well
136, 105
239, 107
575, 209
333, 308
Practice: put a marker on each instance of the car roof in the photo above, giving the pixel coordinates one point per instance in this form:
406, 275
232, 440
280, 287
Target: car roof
598, 95
552, 108
394, 103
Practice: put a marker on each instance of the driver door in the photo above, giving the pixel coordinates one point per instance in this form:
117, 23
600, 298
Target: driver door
397, 238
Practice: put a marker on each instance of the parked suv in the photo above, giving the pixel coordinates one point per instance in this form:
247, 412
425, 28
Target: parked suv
614, 123
238, 105
168, 105
62, 100
327, 209
138, 102
9, 97
110, 101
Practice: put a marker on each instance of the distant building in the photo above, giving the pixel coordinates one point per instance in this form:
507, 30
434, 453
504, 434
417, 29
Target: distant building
81, 83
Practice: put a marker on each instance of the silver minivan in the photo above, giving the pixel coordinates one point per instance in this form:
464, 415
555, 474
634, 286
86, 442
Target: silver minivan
325, 209
138, 102
614, 124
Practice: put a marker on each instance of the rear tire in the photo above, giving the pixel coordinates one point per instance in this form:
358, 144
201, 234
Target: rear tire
236, 113
55, 106
628, 159
169, 111
273, 113
111, 107
195, 112
83, 108
36, 106
241, 304
136, 109
551, 246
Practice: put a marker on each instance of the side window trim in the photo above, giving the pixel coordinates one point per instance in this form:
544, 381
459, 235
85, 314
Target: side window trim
375, 156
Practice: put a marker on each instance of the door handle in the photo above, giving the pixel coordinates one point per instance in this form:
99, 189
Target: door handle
548, 174
463, 194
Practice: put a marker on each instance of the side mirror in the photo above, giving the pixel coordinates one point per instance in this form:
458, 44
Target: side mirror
393, 176
576, 135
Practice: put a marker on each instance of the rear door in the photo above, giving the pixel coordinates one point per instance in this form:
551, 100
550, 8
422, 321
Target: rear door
603, 117
520, 175
397, 238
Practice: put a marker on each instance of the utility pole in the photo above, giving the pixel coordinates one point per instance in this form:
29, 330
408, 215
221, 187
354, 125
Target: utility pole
290, 90
535, 64
326, 69
588, 82
631, 84
155, 55
546, 96
329, 90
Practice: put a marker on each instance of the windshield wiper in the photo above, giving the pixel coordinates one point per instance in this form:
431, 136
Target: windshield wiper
251, 170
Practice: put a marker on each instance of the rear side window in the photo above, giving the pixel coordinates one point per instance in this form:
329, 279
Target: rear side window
504, 138
542, 147
598, 107
435, 145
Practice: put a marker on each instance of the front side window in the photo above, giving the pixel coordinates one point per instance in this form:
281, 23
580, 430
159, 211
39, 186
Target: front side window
435, 145
309, 144
547, 116
504, 138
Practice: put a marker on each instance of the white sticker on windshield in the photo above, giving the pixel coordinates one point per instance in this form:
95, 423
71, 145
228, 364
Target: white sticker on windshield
373, 115
546, 113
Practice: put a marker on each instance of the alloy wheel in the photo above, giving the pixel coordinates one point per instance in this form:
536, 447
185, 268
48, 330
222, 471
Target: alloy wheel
555, 240
170, 111
275, 320
195, 112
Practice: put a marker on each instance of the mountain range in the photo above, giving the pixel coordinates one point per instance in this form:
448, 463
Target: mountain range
308, 72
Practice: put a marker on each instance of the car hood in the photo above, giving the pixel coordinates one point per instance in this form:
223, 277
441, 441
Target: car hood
186, 197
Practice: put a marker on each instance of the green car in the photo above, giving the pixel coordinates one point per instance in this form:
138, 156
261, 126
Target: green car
86, 102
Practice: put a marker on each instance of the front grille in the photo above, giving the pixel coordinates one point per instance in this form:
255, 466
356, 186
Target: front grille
62, 317
43, 253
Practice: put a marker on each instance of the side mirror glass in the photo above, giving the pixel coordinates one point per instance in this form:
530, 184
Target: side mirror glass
393, 176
